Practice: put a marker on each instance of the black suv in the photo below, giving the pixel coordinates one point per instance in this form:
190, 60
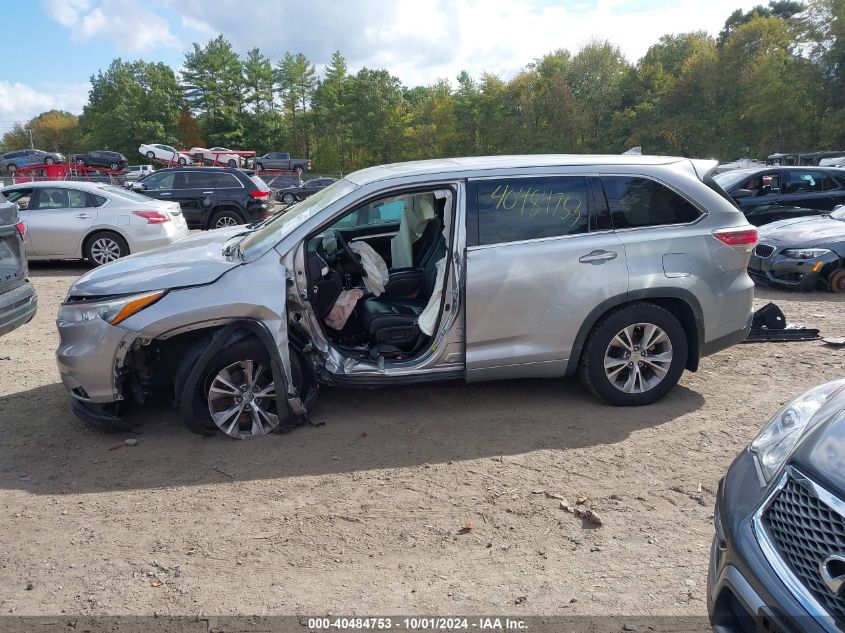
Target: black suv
210, 197
101, 158
17, 297
777, 193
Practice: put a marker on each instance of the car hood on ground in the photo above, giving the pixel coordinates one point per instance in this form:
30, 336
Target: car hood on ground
823, 450
804, 232
193, 261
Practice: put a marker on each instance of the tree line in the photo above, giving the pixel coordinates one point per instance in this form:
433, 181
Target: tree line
772, 80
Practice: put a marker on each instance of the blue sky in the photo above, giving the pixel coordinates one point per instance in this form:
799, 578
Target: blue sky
57, 45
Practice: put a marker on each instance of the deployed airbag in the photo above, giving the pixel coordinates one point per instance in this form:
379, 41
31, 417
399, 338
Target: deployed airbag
343, 307
428, 319
375, 268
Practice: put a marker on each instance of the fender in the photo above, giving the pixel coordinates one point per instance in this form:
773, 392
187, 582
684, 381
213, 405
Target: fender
284, 400
641, 295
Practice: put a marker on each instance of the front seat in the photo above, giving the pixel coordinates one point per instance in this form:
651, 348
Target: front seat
393, 320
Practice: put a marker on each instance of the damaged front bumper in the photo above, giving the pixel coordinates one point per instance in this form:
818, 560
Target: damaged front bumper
90, 358
769, 266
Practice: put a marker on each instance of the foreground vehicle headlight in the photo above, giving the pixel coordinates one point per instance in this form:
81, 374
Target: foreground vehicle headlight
777, 439
112, 311
805, 253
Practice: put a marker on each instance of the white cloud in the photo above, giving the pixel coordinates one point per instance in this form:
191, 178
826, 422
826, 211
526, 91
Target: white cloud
423, 41
20, 102
416, 40
129, 24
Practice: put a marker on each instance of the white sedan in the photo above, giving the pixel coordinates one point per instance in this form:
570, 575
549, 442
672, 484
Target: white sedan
93, 221
165, 153
217, 154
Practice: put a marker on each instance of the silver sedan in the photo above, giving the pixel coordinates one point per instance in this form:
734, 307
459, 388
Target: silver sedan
97, 222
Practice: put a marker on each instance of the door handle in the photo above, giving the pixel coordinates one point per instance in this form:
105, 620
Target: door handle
83, 216
208, 192
597, 257
165, 194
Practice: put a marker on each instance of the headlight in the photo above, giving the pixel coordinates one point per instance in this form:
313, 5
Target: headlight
805, 253
112, 311
777, 439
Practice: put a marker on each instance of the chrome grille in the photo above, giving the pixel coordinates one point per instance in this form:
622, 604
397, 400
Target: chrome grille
805, 530
763, 250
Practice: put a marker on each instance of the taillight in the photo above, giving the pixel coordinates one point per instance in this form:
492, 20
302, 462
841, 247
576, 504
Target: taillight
21, 227
737, 237
153, 217
259, 194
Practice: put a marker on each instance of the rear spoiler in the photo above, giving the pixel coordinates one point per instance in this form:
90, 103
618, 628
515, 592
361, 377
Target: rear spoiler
703, 167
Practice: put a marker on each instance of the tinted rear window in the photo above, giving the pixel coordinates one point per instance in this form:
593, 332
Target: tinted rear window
635, 201
259, 184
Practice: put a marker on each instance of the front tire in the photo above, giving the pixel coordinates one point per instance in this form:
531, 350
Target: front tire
183, 162
288, 199
150, 155
232, 162
236, 393
298, 170
225, 219
259, 166
114, 166
837, 281
11, 168
49, 160
634, 356
105, 247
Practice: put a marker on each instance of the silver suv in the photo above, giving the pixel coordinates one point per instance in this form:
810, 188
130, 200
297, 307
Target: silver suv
623, 269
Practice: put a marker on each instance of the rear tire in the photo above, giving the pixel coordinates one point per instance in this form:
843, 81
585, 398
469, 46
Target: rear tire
259, 166
225, 219
288, 198
837, 281
11, 168
49, 160
298, 170
105, 247
183, 162
634, 355
232, 162
114, 166
151, 156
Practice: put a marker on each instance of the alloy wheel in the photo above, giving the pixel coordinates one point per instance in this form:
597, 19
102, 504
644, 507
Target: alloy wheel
638, 358
105, 250
242, 399
225, 221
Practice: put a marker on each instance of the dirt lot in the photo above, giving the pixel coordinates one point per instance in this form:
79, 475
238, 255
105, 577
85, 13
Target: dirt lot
362, 515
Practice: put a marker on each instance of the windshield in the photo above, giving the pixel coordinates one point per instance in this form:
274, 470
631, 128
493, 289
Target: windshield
730, 179
127, 194
271, 233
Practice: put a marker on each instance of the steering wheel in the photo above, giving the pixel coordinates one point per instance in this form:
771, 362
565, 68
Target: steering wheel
352, 255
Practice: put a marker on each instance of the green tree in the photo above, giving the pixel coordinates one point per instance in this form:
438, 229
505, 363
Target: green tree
296, 79
213, 81
131, 103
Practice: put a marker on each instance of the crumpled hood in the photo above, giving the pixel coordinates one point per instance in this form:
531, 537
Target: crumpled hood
192, 261
823, 450
804, 232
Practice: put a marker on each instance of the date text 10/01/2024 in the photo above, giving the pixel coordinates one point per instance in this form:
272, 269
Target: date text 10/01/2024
417, 624
565, 206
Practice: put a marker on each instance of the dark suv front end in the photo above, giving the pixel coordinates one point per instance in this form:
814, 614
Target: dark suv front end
778, 557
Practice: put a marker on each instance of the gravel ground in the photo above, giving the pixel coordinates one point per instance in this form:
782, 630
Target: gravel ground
433, 499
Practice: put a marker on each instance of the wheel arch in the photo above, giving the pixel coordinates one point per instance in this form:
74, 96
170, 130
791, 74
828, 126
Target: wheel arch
681, 303
108, 228
226, 206
222, 337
